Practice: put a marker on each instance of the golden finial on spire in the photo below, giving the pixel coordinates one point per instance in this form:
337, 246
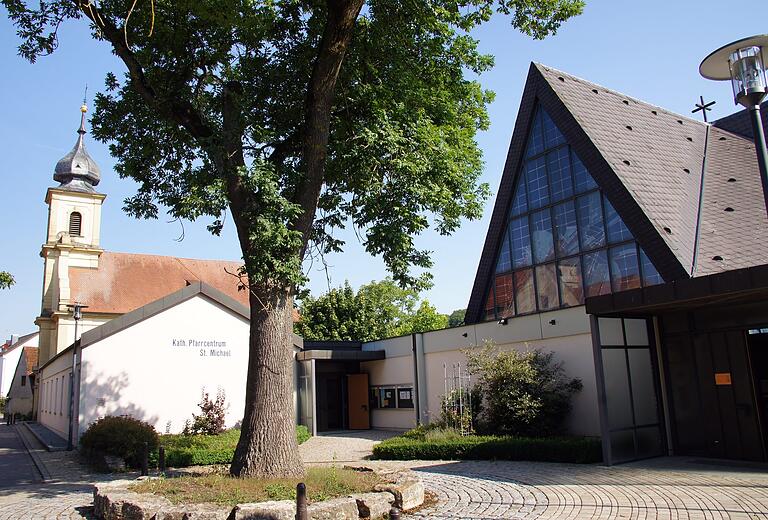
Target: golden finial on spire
84, 107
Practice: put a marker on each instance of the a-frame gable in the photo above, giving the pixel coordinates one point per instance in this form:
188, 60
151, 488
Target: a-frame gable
539, 92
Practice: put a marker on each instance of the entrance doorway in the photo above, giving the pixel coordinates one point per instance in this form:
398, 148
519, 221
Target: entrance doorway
758, 357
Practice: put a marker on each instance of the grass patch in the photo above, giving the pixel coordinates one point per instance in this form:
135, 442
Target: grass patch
323, 483
436, 444
204, 450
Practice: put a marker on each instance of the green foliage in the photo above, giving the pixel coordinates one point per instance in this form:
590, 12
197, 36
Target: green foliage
205, 450
524, 393
378, 310
120, 436
211, 419
213, 109
456, 318
302, 434
6, 280
442, 444
3, 403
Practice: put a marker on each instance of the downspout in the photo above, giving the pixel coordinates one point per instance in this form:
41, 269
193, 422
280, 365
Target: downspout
416, 392
70, 436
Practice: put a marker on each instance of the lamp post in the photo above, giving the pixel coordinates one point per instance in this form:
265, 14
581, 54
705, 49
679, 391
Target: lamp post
77, 315
743, 63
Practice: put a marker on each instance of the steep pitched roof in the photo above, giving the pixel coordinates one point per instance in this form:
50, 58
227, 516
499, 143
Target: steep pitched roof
126, 281
739, 123
666, 174
8, 346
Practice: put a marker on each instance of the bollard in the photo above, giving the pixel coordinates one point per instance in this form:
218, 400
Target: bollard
145, 459
301, 502
161, 459
394, 514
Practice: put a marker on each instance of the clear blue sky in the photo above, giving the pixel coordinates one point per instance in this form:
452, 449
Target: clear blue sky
646, 49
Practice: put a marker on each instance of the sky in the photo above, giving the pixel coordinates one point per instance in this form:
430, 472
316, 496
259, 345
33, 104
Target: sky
647, 49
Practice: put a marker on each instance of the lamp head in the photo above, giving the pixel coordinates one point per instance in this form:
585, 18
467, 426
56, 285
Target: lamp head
743, 63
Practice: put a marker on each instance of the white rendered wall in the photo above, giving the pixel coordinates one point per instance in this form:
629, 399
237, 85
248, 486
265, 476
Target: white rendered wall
20, 392
397, 371
8, 362
53, 395
153, 371
565, 332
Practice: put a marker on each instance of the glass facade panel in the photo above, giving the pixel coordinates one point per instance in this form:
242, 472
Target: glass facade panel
625, 272
650, 275
596, 279
617, 230
536, 139
643, 388
504, 262
552, 135
582, 180
520, 203
566, 229
525, 294
521, 242
536, 179
546, 287
564, 240
543, 242
505, 304
590, 213
559, 170
617, 395
571, 284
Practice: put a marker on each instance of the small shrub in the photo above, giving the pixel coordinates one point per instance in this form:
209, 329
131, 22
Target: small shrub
211, 419
3, 402
120, 436
302, 434
524, 393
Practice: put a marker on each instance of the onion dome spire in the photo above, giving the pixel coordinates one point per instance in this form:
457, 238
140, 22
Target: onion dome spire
77, 171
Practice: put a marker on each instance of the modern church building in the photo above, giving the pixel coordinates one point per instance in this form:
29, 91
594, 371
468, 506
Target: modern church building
628, 240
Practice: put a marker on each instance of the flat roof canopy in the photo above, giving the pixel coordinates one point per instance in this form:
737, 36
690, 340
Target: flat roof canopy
738, 286
341, 355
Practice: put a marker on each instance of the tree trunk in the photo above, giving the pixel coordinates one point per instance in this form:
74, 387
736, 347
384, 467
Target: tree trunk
267, 445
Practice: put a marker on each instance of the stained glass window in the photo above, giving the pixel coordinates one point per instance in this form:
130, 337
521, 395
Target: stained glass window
565, 241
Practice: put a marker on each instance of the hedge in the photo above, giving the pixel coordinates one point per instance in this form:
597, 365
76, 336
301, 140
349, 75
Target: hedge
580, 450
204, 450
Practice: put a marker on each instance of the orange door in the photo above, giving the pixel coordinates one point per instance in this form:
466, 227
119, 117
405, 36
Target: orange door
357, 390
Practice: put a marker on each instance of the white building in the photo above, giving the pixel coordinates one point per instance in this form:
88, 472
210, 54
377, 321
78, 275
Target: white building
10, 353
21, 393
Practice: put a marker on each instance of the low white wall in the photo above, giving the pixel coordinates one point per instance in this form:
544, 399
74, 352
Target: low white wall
155, 370
565, 332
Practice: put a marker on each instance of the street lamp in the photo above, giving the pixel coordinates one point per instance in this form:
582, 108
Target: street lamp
77, 315
743, 62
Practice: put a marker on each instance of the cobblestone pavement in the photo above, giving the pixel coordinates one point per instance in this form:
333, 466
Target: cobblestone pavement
667, 488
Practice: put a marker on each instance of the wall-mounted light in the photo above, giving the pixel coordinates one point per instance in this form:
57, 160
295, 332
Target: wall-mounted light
465, 334
553, 322
503, 321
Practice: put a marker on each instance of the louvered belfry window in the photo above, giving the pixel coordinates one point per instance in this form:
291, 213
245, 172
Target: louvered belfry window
564, 240
75, 223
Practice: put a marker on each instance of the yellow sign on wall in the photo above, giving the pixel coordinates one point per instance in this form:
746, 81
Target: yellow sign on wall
722, 378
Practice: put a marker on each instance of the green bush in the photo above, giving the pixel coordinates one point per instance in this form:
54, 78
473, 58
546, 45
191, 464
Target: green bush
524, 393
441, 445
120, 436
205, 450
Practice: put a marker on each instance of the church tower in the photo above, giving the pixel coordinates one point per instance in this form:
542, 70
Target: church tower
74, 222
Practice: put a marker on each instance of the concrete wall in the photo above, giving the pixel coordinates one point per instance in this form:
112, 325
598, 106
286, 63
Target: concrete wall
153, 371
565, 332
394, 371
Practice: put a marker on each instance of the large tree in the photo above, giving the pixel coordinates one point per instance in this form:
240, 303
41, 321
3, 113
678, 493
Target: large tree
298, 116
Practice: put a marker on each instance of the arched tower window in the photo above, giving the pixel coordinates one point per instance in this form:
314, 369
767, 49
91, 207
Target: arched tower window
75, 223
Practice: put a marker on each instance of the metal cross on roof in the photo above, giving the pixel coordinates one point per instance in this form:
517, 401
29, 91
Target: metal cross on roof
704, 107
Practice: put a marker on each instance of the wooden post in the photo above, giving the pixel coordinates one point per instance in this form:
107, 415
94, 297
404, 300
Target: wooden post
394, 514
301, 502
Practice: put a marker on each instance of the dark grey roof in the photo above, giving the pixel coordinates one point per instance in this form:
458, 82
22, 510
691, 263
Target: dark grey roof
77, 171
739, 123
650, 163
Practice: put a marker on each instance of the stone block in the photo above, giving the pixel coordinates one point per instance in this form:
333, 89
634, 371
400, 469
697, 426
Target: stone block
195, 512
409, 493
273, 510
143, 507
374, 505
335, 509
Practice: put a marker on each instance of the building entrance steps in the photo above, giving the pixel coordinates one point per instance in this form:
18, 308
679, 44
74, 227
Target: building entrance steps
52, 441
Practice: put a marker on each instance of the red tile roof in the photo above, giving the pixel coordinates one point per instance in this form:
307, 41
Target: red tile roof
126, 281
31, 355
